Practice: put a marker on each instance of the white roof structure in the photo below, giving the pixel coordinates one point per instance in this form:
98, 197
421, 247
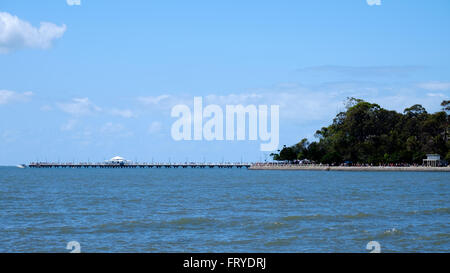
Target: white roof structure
433, 157
432, 160
117, 159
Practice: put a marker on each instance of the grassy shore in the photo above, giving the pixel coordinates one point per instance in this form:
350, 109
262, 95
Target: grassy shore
347, 168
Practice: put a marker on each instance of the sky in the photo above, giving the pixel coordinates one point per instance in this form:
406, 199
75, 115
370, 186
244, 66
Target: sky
85, 80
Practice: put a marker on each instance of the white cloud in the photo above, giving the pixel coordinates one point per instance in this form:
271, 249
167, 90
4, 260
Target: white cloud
73, 2
69, 125
166, 101
155, 127
111, 128
309, 104
233, 98
435, 86
153, 100
440, 95
125, 113
79, 107
364, 71
314, 105
16, 33
84, 136
115, 130
9, 135
163, 102
84, 106
374, 2
7, 96
46, 108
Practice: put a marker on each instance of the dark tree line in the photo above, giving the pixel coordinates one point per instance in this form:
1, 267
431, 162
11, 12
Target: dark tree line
367, 133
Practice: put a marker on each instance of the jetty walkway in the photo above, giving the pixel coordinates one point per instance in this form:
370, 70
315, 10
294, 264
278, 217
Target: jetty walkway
138, 165
250, 166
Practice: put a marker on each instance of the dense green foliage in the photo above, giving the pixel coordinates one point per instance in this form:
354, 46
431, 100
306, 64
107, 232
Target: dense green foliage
367, 133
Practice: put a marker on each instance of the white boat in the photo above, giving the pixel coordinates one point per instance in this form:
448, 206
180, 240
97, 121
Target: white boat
21, 166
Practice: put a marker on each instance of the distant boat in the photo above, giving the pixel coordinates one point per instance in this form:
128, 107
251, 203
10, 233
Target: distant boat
21, 166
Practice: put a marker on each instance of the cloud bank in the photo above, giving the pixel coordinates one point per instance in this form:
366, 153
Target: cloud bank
16, 34
7, 96
365, 71
73, 2
435, 86
374, 2
79, 107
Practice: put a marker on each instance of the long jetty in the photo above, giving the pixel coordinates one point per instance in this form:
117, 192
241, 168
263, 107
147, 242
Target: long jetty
250, 166
138, 165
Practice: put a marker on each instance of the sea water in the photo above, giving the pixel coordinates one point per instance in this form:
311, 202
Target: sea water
222, 210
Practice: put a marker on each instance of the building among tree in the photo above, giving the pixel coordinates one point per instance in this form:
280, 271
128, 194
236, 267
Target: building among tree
432, 160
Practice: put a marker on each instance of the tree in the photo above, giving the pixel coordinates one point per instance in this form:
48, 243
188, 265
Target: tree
446, 105
446, 108
287, 154
367, 133
415, 110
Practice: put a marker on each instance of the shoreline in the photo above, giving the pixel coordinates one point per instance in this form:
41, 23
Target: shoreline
348, 168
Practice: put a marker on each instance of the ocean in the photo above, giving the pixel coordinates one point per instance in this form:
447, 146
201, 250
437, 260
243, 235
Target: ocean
222, 210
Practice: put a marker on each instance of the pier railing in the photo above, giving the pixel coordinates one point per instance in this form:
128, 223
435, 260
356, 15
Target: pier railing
252, 166
137, 165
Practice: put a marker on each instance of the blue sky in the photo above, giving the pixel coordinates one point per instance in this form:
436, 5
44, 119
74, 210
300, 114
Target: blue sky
99, 79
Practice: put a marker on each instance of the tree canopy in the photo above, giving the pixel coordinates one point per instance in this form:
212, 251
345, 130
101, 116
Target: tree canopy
367, 133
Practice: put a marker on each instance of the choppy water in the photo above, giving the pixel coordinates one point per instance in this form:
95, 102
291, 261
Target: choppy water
222, 210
